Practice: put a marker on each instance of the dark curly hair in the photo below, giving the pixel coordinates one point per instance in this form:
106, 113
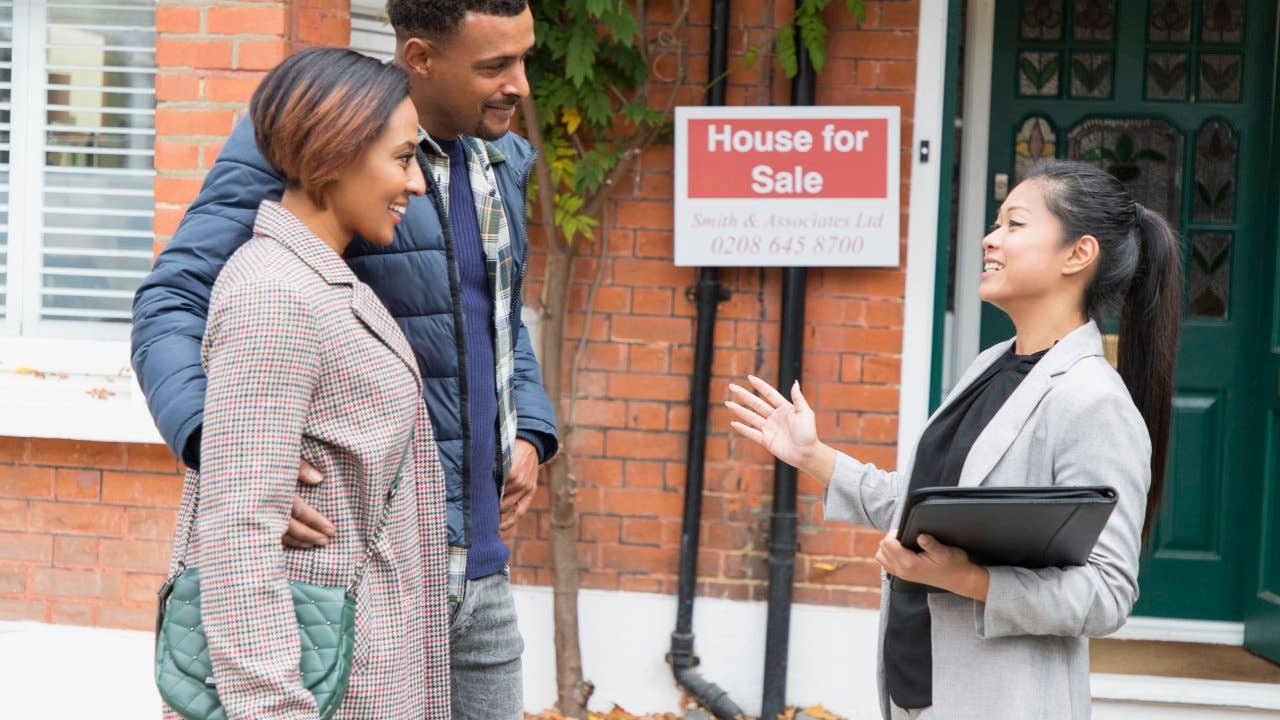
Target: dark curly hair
439, 19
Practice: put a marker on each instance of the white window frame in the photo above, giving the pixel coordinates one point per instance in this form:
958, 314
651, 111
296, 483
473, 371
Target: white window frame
26, 230
58, 379
367, 35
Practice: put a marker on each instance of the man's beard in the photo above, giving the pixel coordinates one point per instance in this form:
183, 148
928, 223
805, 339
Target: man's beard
486, 134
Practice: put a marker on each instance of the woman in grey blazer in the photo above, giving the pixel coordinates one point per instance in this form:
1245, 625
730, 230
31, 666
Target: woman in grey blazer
1044, 408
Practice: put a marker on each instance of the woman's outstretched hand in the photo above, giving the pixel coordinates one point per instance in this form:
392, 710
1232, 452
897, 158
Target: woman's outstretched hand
787, 429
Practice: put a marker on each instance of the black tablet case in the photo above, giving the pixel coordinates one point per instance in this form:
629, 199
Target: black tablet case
1028, 527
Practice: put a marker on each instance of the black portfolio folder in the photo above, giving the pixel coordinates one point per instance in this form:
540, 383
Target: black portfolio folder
1029, 527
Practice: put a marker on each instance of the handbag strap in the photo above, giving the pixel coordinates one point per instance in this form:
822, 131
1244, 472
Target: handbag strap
383, 515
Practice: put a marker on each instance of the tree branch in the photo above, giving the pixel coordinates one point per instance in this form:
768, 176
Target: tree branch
546, 191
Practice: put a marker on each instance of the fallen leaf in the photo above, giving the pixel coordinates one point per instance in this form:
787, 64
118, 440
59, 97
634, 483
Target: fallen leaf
100, 393
24, 370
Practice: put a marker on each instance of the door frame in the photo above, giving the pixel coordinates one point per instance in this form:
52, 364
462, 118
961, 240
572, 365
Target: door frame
963, 341
1261, 615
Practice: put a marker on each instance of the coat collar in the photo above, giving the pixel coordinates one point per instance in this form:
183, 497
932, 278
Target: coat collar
277, 223
991, 445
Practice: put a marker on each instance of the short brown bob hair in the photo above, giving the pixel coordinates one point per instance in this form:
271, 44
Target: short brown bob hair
319, 109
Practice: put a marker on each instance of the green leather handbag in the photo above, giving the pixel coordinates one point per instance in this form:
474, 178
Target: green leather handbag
326, 625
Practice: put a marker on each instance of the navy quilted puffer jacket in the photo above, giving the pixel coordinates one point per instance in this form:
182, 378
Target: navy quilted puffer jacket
416, 277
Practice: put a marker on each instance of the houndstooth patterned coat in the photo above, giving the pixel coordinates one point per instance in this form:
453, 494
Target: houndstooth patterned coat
305, 362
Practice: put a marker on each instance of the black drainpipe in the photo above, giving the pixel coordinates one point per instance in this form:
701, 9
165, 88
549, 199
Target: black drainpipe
782, 528
707, 294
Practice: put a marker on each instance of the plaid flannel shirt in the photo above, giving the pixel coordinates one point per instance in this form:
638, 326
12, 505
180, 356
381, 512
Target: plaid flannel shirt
496, 236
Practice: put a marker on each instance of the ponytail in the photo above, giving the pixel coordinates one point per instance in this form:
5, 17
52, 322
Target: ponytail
1139, 275
1149, 324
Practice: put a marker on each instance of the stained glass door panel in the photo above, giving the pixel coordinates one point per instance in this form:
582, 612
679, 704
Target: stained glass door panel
1171, 97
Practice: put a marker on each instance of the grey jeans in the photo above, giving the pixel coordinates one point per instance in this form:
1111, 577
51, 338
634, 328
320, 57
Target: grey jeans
484, 652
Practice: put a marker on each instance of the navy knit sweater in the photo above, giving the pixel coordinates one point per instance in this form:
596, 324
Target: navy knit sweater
488, 554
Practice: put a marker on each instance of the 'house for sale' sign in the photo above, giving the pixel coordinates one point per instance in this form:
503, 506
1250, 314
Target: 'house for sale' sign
804, 186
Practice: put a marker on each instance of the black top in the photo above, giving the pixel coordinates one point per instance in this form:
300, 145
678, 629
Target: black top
944, 445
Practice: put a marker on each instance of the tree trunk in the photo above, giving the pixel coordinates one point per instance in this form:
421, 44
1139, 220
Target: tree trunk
572, 691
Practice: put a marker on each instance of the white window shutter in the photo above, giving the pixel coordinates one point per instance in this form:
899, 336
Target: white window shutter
371, 34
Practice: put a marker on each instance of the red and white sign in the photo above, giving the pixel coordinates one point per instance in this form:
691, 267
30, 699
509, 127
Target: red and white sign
798, 186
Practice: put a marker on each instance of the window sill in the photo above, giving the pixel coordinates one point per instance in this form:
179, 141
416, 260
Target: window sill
72, 389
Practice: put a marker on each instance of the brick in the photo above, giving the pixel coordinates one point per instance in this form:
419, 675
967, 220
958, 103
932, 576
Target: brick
142, 587
171, 189
646, 416
231, 88
204, 121
180, 86
13, 514
150, 458
165, 224
632, 558
648, 215
141, 489
152, 555
599, 528
128, 617
71, 551
146, 523
13, 578
260, 54
175, 53
73, 613
24, 481
24, 547
75, 583
644, 445
76, 519
644, 474
881, 370
23, 608
645, 301
642, 531
631, 328
650, 358
77, 454
267, 20
605, 356
77, 484
600, 413
637, 386
171, 19
176, 155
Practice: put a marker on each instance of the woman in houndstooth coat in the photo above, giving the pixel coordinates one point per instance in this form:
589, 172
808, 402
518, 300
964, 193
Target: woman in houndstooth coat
305, 363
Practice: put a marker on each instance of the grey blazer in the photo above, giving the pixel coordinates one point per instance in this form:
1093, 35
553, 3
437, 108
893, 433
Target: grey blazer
1024, 653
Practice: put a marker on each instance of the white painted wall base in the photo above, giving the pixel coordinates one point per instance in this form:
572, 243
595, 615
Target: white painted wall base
624, 639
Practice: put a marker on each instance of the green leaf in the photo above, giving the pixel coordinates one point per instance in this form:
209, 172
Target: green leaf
621, 24
580, 55
813, 32
749, 58
858, 8
785, 43
596, 8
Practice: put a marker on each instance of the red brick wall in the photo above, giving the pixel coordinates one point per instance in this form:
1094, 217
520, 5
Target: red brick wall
84, 527
209, 59
633, 386
84, 530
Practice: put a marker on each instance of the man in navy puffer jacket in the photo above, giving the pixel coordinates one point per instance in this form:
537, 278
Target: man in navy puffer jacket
466, 63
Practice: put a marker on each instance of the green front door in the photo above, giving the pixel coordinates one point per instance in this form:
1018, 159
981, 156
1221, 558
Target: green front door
1174, 98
